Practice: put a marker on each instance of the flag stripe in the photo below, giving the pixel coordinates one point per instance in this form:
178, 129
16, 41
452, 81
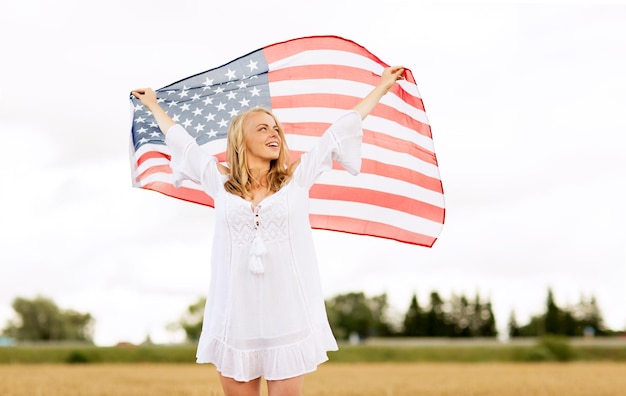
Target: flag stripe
375, 213
338, 72
361, 227
348, 102
383, 199
185, 193
374, 123
369, 137
341, 87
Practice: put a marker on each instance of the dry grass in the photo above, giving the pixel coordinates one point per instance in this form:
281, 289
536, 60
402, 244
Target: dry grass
362, 379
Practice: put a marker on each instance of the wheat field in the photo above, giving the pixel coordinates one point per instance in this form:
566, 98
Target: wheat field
341, 379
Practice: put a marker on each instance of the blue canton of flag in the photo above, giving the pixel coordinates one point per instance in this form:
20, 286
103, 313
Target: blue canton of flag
205, 103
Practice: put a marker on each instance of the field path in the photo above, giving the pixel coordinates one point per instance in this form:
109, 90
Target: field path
340, 379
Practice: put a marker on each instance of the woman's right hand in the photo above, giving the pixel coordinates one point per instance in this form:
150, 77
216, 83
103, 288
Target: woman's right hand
147, 96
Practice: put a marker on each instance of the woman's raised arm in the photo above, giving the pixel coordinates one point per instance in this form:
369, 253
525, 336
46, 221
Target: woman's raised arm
389, 77
148, 98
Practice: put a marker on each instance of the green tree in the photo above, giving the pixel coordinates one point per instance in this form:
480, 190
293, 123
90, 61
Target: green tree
414, 320
436, 325
379, 306
513, 327
484, 323
553, 323
570, 321
459, 316
191, 320
40, 319
350, 313
356, 313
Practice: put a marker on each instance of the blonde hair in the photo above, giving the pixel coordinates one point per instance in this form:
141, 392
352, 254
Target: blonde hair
240, 181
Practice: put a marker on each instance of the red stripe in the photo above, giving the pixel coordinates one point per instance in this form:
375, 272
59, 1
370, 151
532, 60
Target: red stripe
348, 102
369, 137
288, 48
362, 227
151, 155
152, 170
378, 198
373, 167
339, 72
184, 193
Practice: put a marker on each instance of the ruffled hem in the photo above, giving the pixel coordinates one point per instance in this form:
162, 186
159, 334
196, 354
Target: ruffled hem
273, 363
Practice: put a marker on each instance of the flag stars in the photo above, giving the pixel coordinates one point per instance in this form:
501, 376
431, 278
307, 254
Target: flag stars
142, 130
244, 102
187, 123
252, 65
199, 128
155, 134
140, 119
184, 107
195, 96
221, 106
223, 123
207, 101
172, 103
243, 85
183, 93
176, 117
212, 133
219, 90
255, 91
231, 74
207, 83
197, 111
231, 95
210, 117
233, 112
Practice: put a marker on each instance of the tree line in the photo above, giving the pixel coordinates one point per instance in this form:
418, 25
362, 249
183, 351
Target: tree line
350, 314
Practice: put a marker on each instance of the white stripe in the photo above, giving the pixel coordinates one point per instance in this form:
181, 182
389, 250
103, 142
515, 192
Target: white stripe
374, 123
376, 214
342, 178
342, 87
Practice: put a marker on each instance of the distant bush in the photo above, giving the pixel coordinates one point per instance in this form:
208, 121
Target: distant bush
77, 357
559, 347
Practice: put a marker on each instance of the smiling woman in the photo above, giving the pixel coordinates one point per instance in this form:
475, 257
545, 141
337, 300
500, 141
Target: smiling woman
265, 313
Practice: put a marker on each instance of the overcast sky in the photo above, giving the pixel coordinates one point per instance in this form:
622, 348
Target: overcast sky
526, 104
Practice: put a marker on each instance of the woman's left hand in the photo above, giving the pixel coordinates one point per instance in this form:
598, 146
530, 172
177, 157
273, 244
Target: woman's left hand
390, 76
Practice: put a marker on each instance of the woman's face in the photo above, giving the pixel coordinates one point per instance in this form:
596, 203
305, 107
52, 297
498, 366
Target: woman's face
262, 138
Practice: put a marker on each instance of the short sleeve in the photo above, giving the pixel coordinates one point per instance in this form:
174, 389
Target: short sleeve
341, 142
189, 162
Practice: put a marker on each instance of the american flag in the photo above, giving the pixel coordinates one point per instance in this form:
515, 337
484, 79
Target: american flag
308, 83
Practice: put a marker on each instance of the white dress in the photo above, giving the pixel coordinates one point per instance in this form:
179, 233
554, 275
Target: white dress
265, 313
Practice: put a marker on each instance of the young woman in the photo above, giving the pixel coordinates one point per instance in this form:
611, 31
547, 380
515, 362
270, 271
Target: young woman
265, 314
